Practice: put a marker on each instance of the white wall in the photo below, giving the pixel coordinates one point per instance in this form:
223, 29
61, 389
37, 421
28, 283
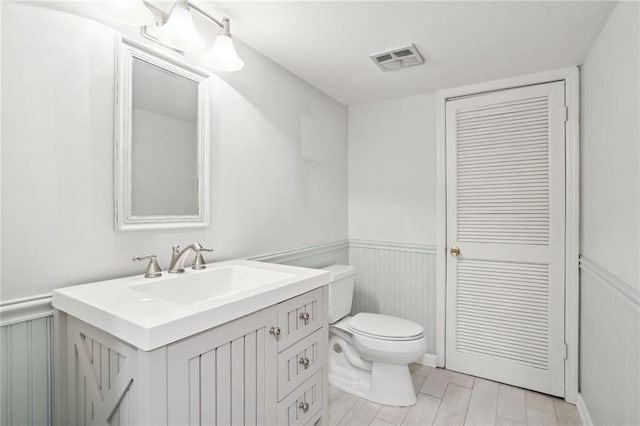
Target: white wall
392, 209
610, 221
610, 178
57, 166
392, 170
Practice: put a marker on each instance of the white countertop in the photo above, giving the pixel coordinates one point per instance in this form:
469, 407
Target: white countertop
133, 311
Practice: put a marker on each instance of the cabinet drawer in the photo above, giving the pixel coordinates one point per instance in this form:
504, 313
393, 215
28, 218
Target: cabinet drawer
302, 404
300, 316
300, 361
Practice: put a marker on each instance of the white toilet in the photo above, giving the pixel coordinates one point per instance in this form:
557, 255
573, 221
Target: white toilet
369, 354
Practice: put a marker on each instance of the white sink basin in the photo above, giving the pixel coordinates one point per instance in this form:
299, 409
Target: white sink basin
203, 286
152, 312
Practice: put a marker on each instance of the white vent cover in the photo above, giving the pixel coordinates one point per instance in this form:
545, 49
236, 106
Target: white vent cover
396, 59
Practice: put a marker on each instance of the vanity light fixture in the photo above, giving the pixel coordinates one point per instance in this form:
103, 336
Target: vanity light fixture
222, 55
179, 32
128, 12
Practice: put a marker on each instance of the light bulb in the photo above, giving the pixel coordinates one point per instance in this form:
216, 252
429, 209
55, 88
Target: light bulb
129, 12
179, 32
223, 56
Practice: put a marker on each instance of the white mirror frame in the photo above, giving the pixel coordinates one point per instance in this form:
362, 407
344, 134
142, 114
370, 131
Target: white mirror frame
127, 51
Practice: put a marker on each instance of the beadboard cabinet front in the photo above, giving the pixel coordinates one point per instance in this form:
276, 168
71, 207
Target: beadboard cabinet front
222, 376
239, 373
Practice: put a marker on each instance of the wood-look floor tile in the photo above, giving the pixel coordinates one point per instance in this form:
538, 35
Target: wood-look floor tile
420, 369
379, 422
537, 417
393, 415
502, 421
362, 413
511, 403
340, 405
460, 379
333, 392
436, 383
423, 413
418, 381
483, 403
567, 414
539, 401
453, 408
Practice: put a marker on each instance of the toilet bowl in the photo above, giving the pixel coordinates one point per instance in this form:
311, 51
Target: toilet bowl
369, 354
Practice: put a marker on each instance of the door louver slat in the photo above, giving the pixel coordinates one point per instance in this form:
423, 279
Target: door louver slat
526, 298
527, 164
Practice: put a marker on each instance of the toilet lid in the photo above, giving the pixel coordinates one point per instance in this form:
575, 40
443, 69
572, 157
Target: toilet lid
385, 327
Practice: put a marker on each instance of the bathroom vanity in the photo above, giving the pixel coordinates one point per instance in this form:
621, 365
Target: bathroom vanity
240, 342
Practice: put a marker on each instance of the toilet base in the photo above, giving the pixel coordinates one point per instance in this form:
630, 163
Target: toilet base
386, 384
391, 385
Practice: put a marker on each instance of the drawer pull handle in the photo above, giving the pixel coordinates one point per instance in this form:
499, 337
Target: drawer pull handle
304, 406
305, 362
275, 332
304, 316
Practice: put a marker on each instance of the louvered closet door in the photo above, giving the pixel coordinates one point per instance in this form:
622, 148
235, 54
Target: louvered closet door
505, 213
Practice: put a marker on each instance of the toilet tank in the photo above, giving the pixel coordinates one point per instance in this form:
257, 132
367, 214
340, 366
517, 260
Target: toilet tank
343, 278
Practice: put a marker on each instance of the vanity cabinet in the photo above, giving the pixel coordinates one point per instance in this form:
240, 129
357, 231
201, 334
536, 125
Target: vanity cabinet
243, 372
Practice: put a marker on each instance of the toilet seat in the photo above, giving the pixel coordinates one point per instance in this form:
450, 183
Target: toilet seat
385, 327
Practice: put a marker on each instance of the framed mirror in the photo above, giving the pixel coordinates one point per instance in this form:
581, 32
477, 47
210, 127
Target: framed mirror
161, 141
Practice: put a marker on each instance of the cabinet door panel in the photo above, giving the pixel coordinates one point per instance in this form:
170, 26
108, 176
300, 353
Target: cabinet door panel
300, 361
300, 316
221, 376
301, 405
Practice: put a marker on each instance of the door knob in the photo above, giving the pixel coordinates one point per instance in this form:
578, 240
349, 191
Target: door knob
455, 251
304, 406
304, 316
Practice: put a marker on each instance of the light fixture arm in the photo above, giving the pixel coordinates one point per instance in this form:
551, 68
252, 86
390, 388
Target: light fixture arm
224, 25
207, 16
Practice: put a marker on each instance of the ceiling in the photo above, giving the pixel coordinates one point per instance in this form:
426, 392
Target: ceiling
328, 43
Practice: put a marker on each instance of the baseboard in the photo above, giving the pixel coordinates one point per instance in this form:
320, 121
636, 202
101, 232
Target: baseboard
428, 359
583, 411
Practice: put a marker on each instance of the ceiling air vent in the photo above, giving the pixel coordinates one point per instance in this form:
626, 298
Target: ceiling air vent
396, 59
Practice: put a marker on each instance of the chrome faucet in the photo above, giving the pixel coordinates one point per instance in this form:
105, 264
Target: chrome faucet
178, 257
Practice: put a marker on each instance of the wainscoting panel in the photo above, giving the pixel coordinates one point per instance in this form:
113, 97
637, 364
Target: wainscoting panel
396, 279
609, 346
26, 366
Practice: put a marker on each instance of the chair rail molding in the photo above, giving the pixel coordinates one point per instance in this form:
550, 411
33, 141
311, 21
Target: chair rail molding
626, 290
396, 246
25, 309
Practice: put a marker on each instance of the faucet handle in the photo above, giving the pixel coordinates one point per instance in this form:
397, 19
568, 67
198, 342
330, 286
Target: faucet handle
198, 259
153, 268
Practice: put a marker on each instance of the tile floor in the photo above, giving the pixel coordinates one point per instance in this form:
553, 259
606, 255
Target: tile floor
450, 398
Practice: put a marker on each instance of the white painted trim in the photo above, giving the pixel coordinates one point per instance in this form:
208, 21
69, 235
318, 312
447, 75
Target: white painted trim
583, 411
128, 50
571, 78
427, 359
289, 255
441, 229
572, 234
387, 245
25, 309
626, 290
